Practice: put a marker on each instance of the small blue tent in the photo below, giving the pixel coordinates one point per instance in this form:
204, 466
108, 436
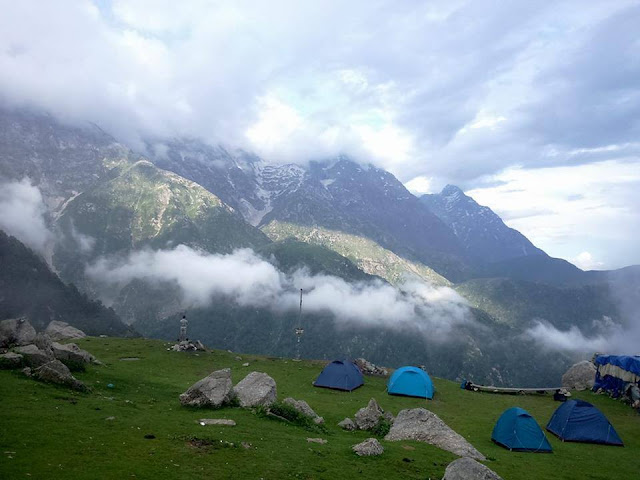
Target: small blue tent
412, 382
579, 421
340, 375
518, 431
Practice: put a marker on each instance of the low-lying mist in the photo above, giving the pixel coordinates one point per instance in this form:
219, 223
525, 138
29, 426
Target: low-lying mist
250, 280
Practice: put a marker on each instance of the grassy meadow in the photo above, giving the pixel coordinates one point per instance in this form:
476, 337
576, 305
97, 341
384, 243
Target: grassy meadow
138, 429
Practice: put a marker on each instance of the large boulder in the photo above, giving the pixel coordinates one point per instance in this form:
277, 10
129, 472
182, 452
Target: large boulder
63, 331
468, 469
424, 426
16, 332
71, 355
304, 408
10, 360
369, 417
580, 376
368, 448
256, 389
33, 356
213, 390
57, 372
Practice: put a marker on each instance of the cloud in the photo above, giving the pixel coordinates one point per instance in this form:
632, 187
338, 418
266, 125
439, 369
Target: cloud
551, 338
22, 211
585, 261
452, 91
569, 210
248, 280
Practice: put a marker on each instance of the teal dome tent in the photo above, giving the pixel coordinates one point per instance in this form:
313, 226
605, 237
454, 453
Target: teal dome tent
518, 431
411, 382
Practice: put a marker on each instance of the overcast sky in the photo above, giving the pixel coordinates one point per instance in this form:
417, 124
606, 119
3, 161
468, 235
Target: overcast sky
531, 107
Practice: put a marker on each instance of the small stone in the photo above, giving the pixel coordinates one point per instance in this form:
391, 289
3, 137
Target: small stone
369, 447
245, 445
27, 371
217, 421
110, 419
246, 364
348, 424
368, 417
321, 441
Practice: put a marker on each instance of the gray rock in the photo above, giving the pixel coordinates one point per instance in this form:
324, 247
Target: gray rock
368, 417
16, 332
27, 371
256, 389
62, 331
468, 469
217, 421
369, 447
57, 372
368, 368
424, 426
212, 391
580, 376
33, 356
304, 408
348, 424
10, 360
43, 342
321, 441
71, 355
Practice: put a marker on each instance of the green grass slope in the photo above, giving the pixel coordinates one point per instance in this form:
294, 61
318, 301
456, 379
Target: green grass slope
50, 432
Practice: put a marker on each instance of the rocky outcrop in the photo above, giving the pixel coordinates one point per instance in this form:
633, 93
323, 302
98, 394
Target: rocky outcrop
580, 376
212, 391
10, 360
424, 426
368, 368
33, 356
256, 389
468, 469
369, 447
370, 416
57, 372
188, 346
347, 424
304, 408
16, 332
63, 331
71, 355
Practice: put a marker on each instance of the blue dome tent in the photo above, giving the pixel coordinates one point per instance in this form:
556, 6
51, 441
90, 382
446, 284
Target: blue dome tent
411, 382
518, 431
579, 421
340, 375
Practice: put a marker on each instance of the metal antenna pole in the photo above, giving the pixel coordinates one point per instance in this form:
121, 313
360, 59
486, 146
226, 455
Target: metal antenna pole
299, 329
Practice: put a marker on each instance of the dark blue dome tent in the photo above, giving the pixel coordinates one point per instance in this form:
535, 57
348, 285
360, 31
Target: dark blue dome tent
518, 431
340, 375
579, 421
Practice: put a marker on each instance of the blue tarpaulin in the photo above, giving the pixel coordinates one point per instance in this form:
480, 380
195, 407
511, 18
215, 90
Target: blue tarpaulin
412, 382
518, 431
613, 383
579, 421
340, 375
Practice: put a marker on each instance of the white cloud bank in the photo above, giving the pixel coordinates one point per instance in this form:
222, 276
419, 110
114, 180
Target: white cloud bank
22, 211
251, 281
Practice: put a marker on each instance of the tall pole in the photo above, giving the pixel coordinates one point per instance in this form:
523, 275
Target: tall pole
299, 329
